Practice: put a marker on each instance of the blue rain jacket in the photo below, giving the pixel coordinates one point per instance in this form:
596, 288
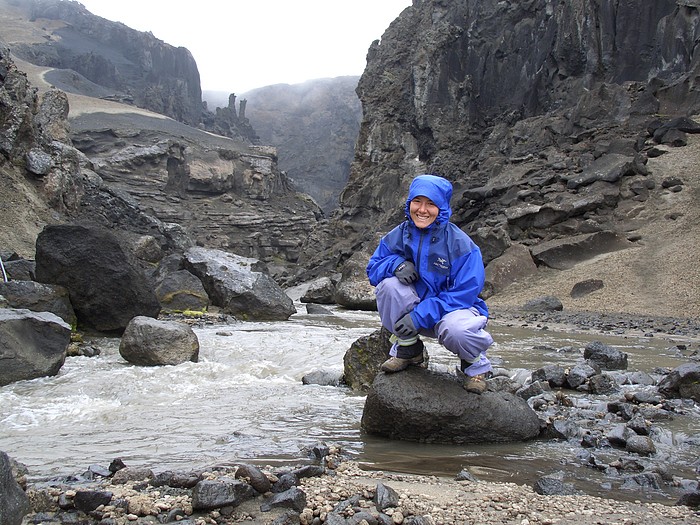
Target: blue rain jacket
448, 262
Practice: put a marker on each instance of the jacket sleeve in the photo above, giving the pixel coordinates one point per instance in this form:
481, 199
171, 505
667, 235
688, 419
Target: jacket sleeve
386, 257
466, 282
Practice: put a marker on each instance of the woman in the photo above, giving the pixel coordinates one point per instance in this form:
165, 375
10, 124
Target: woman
428, 275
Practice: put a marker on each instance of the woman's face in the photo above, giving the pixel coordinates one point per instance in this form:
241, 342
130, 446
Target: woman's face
423, 211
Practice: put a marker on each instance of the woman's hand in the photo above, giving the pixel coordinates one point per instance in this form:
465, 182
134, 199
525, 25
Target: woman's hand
406, 272
404, 327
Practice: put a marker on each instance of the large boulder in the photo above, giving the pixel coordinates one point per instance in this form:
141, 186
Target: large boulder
682, 382
180, 290
513, 265
14, 503
107, 288
432, 407
151, 342
239, 285
354, 291
32, 344
39, 297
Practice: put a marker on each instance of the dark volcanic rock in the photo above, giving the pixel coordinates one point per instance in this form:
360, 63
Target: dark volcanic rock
586, 287
106, 286
32, 344
223, 492
432, 407
683, 381
39, 297
562, 254
14, 503
605, 356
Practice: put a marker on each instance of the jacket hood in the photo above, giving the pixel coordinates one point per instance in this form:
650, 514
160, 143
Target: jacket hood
437, 189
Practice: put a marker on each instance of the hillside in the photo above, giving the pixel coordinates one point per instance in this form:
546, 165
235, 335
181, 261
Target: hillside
122, 165
660, 276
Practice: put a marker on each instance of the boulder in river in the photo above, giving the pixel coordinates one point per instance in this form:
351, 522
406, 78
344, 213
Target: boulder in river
683, 382
429, 406
32, 344
239, 285
151, 342
39, 297
107, 288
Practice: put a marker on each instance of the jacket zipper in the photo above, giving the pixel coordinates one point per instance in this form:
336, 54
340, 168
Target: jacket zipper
420, 248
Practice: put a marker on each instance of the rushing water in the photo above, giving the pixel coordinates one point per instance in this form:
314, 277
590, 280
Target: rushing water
244, 400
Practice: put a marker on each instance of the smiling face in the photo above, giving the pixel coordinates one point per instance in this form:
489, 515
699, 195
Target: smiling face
423, 211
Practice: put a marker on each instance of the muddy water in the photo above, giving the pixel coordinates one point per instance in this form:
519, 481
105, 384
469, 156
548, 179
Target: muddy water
244, 400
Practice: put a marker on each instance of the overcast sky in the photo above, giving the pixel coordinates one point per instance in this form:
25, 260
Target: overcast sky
244, 44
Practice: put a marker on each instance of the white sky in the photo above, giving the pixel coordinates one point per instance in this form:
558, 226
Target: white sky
245, 44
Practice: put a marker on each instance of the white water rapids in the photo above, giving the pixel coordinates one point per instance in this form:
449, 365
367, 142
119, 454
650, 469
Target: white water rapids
244, 401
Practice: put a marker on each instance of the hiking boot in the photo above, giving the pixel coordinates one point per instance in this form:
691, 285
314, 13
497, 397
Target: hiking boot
396, 364
406, 356
475, 384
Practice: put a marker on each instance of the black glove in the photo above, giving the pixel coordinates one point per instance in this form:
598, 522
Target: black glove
406, 272
405, 328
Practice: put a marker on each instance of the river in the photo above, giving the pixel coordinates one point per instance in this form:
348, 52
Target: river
244, 401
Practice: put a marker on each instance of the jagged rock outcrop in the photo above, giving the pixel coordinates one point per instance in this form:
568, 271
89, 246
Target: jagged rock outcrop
226, 120
539, 113
226, 195
46, 180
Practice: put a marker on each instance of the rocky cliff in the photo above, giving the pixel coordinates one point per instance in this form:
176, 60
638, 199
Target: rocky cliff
113, 60
77, 155
543, 114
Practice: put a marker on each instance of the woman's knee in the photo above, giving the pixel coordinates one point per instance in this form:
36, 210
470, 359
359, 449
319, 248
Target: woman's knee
464, 334
393, 290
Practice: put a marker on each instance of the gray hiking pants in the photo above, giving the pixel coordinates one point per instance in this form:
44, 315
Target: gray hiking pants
461, 332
